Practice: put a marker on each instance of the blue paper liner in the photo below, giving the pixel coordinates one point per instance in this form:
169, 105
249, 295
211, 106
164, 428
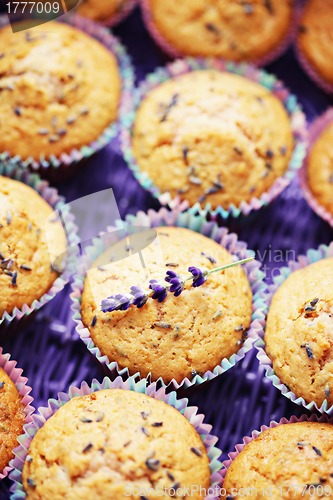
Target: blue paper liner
199, 224
182, 66
127, 76
311, 256
132, 384
18, 317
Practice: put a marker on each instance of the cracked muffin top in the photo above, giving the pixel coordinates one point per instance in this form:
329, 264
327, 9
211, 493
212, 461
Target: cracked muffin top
320, 168
25, 259
59, 89
232, 29
106, 444
12, 418
287, 455
315, 38
181, 336
299, 332
214, 137
101, 11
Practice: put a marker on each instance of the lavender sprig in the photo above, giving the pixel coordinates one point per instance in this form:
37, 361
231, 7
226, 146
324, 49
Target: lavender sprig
159, 291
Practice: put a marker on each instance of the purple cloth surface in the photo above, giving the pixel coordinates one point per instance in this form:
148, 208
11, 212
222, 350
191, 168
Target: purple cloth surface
241, 400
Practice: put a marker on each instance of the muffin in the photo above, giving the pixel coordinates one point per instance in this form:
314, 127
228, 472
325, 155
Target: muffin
182, 336
212, 136
298, 334
105, 444
26, 256
315, 37
320, 168
60, 89
279, 459
102, 11
12, 418
232, 29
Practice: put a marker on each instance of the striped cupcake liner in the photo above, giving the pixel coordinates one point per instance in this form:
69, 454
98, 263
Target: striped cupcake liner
182, 66
58, 167
247, 439
9, 322
132, 384
125, 11
199, 224
315, 130
303, 261
15, 374
174, 53
305, 63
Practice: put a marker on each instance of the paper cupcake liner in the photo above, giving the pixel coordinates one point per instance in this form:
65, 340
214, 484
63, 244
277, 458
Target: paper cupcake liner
9, 322
247, 439
210, 229
182, 66
15, 374
311, 256
132, 384
305, 63
171, 51
120, 16
315, 130
67, 162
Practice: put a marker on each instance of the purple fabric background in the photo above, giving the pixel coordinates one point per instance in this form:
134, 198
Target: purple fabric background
50, 352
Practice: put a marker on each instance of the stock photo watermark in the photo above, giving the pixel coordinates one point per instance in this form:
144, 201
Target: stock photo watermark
24, 15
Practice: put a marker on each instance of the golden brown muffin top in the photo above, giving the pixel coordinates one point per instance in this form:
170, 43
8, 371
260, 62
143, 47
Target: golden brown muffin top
181, 336
315, 36
12, 417
25, 258
95, 446
299, 329
320, 168
101, 10
232, 29
212, 136
60, 89
291, 454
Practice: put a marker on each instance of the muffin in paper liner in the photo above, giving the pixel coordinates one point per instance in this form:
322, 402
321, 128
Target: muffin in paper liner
182, 66
120, 16
15, 374
210, 229
174, 53
247, 439
306, 65
315, 130
19, 317
58, 168
132, 384
311, 256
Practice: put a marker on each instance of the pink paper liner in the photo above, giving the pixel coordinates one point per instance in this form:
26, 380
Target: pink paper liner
305, 63
44, 413
67, 163
199, 224
247, 439
315, 130
15, 374
174, 53
183, 66
121, 16
323, 252
10, 322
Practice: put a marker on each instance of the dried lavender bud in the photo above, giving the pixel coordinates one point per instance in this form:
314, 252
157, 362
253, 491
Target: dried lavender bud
211, 27
213, 261
317, 451
153, 464
196, 451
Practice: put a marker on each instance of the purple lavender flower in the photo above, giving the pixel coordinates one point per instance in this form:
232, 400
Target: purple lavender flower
119, 302
160, 291
140, 296
199, 275
176, 281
